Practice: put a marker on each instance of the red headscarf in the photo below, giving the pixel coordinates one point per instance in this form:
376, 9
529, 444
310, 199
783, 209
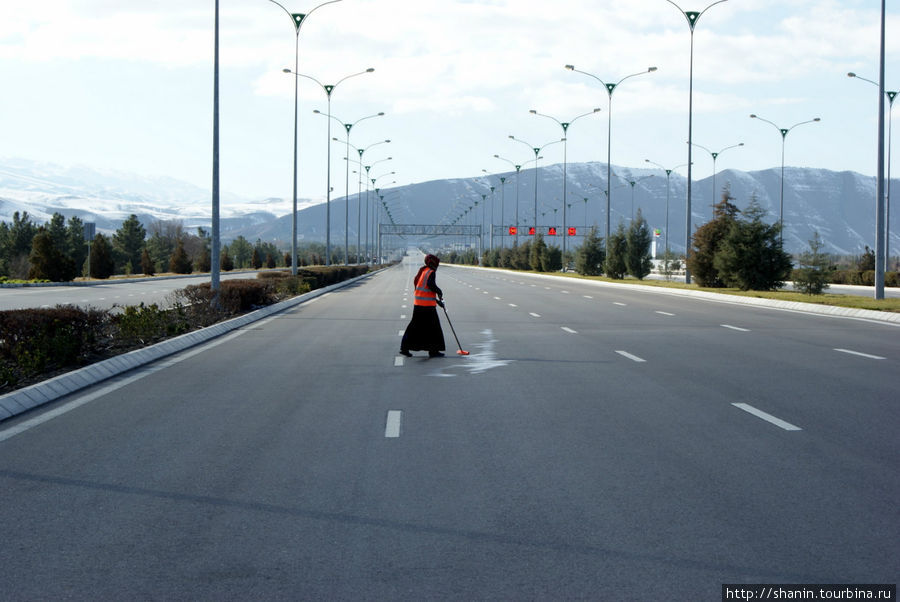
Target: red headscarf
432, 261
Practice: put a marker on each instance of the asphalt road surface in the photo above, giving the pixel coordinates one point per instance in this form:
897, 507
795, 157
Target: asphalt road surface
598, 443
105, 295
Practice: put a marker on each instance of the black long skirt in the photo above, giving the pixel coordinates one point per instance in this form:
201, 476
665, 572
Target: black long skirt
424, 331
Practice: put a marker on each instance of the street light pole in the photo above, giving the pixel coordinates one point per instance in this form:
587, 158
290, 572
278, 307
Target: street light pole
565, 129
610, 88
784, 133
692, 18
297, 19
891, 95
518, 169
668, 173
714, 156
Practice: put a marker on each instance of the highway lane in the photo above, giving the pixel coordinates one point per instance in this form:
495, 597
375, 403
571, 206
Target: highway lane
104, 295
551, 463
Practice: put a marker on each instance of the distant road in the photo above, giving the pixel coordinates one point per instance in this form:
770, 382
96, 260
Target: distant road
837, 289
105, 295
599, 443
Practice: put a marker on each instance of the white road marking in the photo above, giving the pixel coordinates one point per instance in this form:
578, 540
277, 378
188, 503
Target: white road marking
392, 425
564, 292
512, 305
567, 329
498, 298
402, 316
871, 357
631, 357
767, 417
620, 304
734, 328
587, 296
400, 334
398, 361
664, 313
534, 314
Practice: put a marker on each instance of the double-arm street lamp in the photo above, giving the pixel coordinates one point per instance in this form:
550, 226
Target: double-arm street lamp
328, 88
610, 88
537, 151
359, 226
784, 133
715, 155
692, 18
891, 95
565, 128
298, 19
348, 127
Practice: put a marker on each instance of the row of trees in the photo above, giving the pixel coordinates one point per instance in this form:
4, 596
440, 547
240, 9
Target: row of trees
58, 251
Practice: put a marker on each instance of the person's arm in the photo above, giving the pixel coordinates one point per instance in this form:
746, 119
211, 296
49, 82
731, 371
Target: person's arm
432, 284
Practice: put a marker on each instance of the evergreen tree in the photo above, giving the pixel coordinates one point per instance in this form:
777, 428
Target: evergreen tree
102, 264
160, 248
551, 259
750, 256
226, 263
270, 261
707, 239
76, 246
637, 248
812, 276
128, 241
255, 259
15, 245
287, 259
204, 263
614, 265
590, 255
147, 266
57, 231
537, 249
180, 263
866, 263
47, 261
241, 251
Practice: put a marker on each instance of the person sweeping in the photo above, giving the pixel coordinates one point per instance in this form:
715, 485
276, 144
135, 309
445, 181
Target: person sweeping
424, 330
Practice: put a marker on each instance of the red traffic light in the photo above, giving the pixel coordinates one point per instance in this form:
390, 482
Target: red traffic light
551, 231
513, 230
571, 231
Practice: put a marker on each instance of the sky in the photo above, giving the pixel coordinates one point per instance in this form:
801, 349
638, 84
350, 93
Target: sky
128, 86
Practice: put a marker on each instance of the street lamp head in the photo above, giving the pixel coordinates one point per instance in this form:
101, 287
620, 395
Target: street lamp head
570, 67
533, 112
753, 116
370, 70
817, 119
851, 74
651, 69
317, 111
287, 71
597, 110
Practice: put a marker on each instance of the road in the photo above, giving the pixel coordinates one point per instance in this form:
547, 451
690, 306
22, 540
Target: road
105, 295
590, 447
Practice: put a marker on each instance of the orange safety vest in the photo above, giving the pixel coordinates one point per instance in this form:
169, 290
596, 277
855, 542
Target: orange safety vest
424, 296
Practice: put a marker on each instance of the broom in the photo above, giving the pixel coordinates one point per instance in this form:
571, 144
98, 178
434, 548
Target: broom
460, 351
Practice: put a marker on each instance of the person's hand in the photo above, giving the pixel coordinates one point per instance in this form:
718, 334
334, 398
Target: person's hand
441, 302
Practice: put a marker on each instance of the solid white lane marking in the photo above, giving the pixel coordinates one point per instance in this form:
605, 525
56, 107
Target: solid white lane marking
534, 315
735, 328
664, 313
398, 361
871, 357
392, 425
767, 417
567, 329
620, 304
633, 358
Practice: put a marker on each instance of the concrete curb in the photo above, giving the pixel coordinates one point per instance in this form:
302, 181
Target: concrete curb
22, 400
812, 308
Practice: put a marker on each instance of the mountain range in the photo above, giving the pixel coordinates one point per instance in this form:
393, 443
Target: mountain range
840, 206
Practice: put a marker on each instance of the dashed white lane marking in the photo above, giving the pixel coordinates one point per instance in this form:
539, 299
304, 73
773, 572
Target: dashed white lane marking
512, 305
739, 329
620, 304
587, 296
767, 417
400, 334
871, 357
564, 292
392, 424
402, 316
498, 298
398, 361
664, 313
633, 358
534, 315
569, 330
